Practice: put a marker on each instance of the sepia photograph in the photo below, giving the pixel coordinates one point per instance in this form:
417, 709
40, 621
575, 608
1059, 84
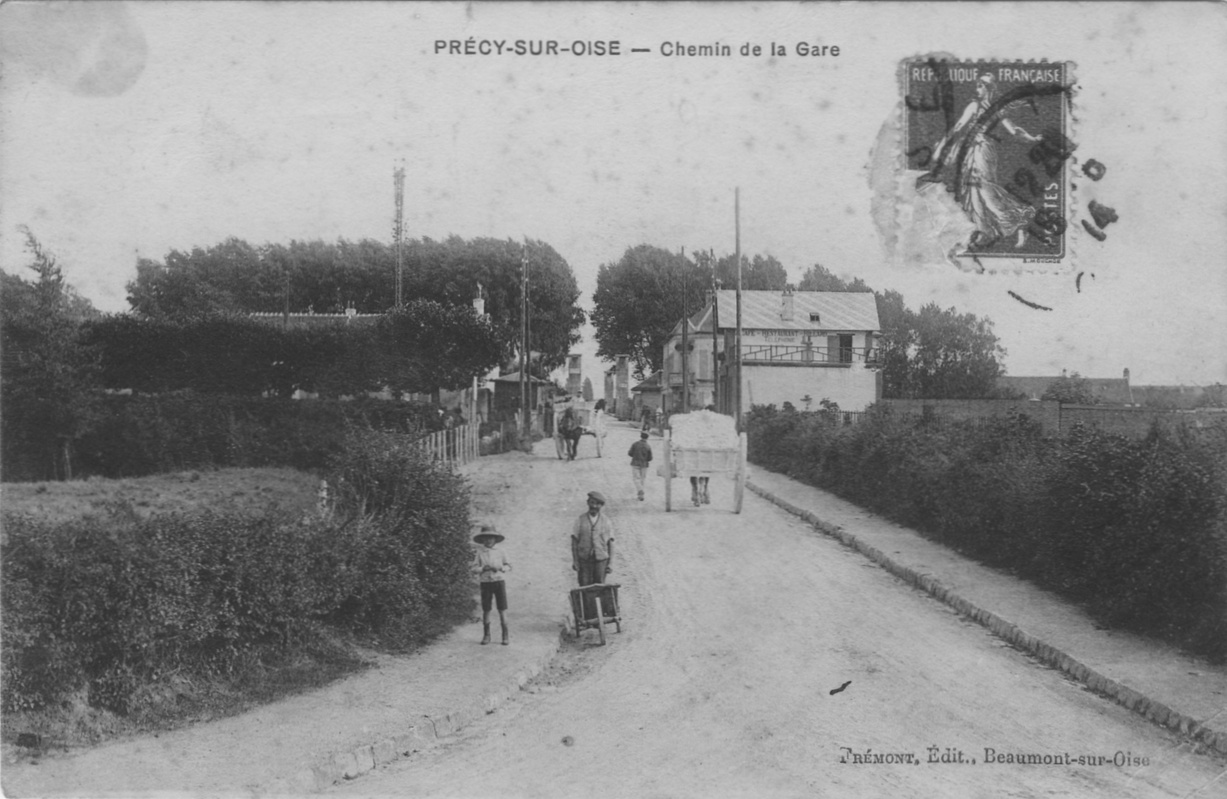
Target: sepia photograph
613, 399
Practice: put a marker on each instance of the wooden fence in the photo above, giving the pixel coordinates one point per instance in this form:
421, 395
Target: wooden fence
457, 446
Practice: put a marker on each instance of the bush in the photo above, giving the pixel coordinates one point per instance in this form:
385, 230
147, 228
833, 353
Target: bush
407, 521
141, 435
1134, 529
109, 605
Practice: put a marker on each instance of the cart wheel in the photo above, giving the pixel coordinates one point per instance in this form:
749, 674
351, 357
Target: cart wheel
668, 466
600, 619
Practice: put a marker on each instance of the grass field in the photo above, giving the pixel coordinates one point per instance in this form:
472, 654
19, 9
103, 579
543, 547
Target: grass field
222, 490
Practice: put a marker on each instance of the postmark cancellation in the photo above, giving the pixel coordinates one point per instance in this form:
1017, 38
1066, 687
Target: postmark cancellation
982, 173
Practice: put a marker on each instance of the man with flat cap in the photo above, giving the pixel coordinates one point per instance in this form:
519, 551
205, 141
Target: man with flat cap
592, 542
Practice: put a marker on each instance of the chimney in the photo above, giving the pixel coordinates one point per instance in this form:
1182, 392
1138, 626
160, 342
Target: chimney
479, 302
786, 307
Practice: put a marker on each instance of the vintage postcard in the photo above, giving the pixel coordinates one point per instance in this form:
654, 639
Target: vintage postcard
787, 215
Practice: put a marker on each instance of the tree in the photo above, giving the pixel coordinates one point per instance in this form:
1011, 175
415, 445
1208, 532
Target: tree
432, 346
235, 277
1073, 389
49, 390
450, 272
955, 356
760, 273
819, 278
587, 389
638, 301
897, 342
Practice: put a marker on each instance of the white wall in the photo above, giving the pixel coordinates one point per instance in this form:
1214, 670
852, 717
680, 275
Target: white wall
853, 387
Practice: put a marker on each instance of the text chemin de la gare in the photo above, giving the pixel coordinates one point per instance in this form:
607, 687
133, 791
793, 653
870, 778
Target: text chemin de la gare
613, 47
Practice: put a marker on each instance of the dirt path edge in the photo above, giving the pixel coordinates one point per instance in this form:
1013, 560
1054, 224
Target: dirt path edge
348, 764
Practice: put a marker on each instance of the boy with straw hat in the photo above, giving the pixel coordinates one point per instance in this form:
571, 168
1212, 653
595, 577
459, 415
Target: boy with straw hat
489, 564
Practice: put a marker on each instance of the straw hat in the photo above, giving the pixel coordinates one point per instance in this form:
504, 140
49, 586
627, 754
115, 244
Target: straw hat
488, 531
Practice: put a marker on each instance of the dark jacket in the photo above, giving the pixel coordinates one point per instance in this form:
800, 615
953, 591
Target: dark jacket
641, 453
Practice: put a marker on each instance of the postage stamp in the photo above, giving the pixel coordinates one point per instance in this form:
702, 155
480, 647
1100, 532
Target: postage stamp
986, 150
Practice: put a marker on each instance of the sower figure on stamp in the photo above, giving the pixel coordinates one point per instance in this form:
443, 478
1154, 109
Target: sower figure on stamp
966, 161
592, 547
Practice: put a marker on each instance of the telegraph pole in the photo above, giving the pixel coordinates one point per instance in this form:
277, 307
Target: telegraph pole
524, 337
398, 231
737, 255
685, 342
715, 330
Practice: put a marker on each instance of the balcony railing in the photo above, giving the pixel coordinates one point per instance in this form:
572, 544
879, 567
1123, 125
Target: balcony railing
794, 353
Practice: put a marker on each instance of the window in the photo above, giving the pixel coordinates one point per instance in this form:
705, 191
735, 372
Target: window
839, 348
845, 348
813, 317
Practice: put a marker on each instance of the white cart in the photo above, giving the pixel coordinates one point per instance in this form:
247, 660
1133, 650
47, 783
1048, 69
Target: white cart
691, 462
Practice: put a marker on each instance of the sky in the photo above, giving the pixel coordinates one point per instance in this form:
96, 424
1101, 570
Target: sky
129, 130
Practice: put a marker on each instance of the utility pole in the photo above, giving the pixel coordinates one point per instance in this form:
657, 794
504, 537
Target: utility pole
737, 255
685, 342
715, 330
524, 338
398, 231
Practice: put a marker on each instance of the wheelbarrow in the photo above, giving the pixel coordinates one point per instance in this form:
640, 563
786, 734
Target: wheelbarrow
595, 606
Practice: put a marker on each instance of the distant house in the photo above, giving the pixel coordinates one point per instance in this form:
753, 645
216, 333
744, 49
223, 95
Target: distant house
507, 397
647, 394
617, 388
1107, 390
350, 317
795, 344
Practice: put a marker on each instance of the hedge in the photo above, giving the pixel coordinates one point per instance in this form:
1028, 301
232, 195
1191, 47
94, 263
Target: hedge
1133, 529
109, 605
137, 435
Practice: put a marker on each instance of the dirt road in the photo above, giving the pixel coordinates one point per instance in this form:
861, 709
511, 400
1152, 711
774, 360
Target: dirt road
740, 631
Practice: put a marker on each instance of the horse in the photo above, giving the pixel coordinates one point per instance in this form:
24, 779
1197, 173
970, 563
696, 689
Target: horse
569, 430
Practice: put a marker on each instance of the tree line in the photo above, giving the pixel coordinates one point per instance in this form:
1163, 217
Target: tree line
191, 329
329, 277
932, 353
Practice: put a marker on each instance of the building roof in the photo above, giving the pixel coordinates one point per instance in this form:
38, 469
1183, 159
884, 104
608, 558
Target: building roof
514, 377
652, 383
314, 319
849, 311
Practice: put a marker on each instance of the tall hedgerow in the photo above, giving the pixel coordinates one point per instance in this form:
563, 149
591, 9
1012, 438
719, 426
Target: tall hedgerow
1135, 529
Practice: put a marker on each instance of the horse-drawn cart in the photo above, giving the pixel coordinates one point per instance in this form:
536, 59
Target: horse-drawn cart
702, 444
572, 420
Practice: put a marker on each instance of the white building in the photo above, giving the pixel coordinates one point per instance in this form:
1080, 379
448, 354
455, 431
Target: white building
795, 344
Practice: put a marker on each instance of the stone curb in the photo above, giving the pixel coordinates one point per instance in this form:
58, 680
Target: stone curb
351, 763
1136, 701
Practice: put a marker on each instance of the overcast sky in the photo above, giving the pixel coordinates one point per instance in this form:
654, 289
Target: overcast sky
132, 129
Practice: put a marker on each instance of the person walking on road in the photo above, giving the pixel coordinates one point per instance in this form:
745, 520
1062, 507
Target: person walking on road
490, 564
592, 539
641, 455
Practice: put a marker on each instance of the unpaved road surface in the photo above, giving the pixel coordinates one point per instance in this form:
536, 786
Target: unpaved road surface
739, 628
